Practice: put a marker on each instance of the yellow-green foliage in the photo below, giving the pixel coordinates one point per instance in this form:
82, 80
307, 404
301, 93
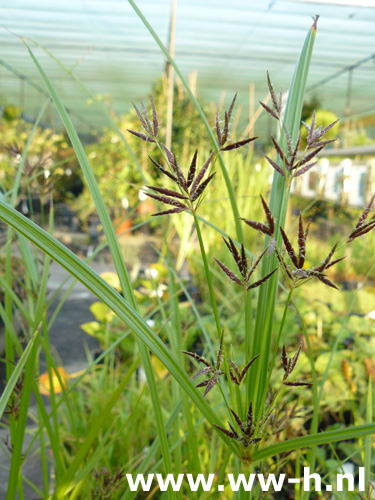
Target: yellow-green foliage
323, 118
47, 145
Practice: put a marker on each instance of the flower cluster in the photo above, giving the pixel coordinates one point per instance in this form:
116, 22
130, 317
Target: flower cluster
223, 134
212, 371
269, 227
245, 270
299, 273
151, 129
189, 189
245, 435
238, 375
291, 165
362, 227
288, 365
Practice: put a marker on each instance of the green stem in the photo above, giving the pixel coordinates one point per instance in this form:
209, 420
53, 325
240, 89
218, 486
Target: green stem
311, 456
289, 298
249, 340
208, 276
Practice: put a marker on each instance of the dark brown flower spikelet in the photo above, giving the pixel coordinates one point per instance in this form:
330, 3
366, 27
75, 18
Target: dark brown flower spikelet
258, 226
202, 187
269, 110
151, 129
281, 154
288, 141
212, 371
298, 383
301, 243
243, 267
154, 118
165, 172
289, 163
362, 227
168, 192
223, 134
245, 436
192, 169
314, 134
269, 216
230, 434
300, 274
335, 262
268, 228
364, 214
228, 116
255, 265
168, 201
142, 136
142, 120
305, 169
283, 265
327, 282
261, 281
238, 144
228, 272
289, 363
236, 375
323, 265
169, 212
291, 167
240, 261
175, 166
275, 166
201, 174
308, 158
196, 356
294, 155
275, 102
193, 187
289, 248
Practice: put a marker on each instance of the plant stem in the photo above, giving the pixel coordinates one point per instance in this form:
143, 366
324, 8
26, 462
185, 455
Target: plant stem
249, 340
289, 298
208, 276
315, 419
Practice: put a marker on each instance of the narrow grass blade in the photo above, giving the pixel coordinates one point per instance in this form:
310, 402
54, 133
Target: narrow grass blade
93, 282
100, 104
368, 439
18, 437
315, 440
67, 481
278, 206
16, 374
115, 252
91, 182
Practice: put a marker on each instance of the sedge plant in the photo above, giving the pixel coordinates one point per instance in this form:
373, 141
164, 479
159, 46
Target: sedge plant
248, 393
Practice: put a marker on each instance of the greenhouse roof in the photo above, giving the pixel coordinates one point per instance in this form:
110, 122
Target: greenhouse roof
228, 45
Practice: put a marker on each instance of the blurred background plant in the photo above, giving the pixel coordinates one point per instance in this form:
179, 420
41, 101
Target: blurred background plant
51, 160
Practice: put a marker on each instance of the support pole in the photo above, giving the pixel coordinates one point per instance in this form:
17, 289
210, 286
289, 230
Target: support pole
170, 75
251, 113
348, 107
